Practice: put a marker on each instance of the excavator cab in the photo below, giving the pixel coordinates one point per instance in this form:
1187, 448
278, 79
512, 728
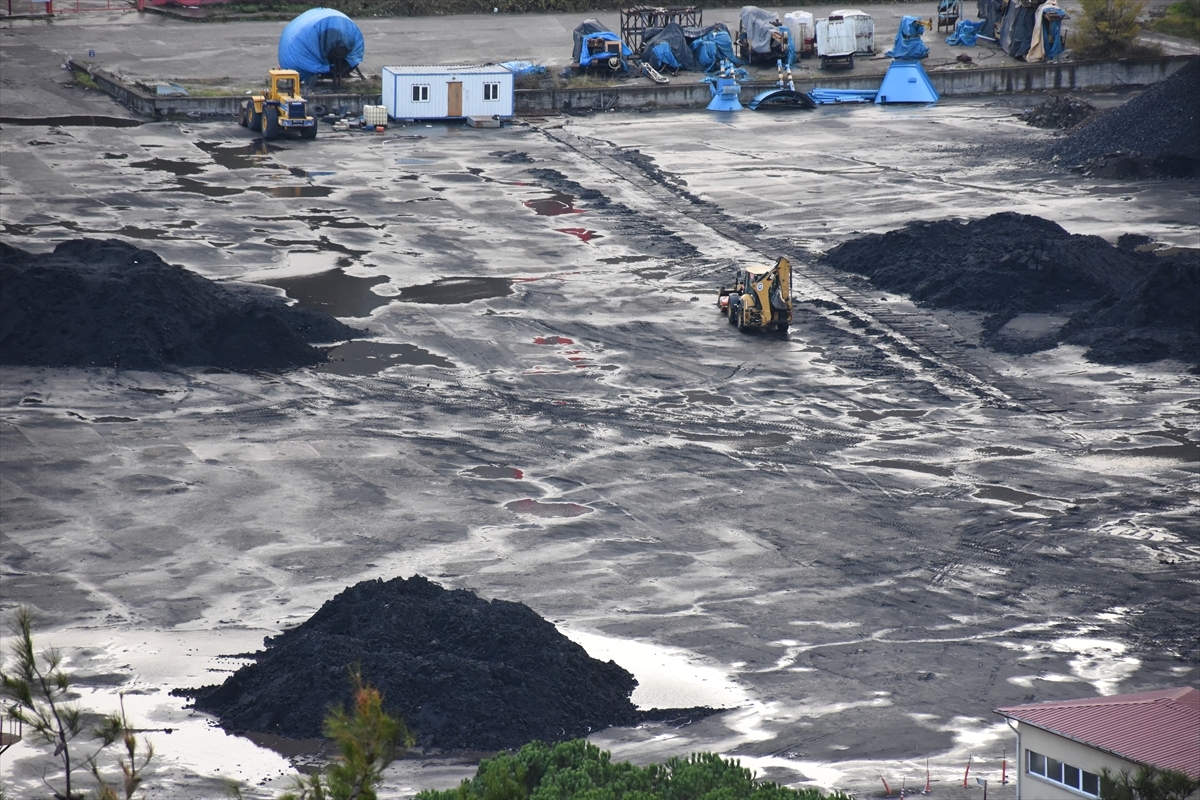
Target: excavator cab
759, 299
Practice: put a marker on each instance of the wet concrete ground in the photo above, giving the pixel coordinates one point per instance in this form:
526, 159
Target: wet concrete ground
858, 550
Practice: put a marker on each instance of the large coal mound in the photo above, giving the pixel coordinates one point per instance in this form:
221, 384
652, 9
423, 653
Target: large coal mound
1126, 305
93, 303
464, 673
1156, 133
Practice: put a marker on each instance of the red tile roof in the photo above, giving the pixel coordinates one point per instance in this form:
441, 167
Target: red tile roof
1159, 728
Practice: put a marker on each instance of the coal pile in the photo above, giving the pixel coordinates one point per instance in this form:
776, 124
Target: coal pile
1156, 133
464, 673
1059, 111
1125, 303
93, 303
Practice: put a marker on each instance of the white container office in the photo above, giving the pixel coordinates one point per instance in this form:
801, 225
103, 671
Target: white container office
863, 26
454, 92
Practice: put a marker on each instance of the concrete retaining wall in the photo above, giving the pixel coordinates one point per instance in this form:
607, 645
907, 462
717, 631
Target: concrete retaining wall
166, 107
1068, 76
688, 92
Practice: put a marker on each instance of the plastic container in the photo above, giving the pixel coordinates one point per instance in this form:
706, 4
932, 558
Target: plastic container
802, 31
375, 115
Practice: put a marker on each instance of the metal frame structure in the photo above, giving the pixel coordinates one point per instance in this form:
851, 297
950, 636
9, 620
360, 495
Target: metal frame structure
635, 21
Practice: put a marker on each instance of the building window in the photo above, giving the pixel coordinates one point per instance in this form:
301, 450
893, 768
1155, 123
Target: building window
491, 91
420, 93
1057, 772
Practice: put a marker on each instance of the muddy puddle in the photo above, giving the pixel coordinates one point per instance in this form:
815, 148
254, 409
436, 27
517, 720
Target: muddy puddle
240, 156
179, 167
294, 191
493, 473
191, 186
371, 358
449, 291
555, 205
1004, 494
874, 416
536, 508
334, 292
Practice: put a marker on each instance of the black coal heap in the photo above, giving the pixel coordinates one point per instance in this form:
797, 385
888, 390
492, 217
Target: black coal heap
465, 673
107, 303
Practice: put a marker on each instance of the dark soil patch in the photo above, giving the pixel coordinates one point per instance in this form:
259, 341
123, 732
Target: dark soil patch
465, 673
1059, 111
650, 236
1136, 307
93, 303
1156, 133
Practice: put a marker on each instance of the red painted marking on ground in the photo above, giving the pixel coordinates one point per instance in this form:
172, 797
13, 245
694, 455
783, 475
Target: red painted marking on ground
553, 340
583, 233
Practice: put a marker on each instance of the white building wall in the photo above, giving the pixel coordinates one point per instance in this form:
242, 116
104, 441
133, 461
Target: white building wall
398, 85
1035, 787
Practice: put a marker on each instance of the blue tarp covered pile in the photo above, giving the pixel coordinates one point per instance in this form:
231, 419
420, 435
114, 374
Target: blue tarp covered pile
908, 43
1048, 21
965, 32
1016, 29
668, 49
321, 42
713, 47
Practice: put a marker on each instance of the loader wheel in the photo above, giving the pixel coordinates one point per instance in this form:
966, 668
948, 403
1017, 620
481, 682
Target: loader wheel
824, 62
255, 121
309, 132
271, 123
782, 328
735, 311
244, 117
852, 61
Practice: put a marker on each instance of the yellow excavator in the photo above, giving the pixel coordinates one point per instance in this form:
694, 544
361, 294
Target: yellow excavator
760, 299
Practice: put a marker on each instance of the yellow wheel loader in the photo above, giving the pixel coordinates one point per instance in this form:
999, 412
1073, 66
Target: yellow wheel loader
760, 299
281, 109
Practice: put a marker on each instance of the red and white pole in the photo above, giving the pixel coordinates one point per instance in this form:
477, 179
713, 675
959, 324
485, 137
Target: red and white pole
968, 772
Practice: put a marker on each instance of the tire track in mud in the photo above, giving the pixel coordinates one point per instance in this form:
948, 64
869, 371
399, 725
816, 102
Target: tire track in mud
911, 335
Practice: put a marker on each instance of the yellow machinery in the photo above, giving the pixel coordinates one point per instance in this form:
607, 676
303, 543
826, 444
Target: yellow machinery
282, 108
759, 299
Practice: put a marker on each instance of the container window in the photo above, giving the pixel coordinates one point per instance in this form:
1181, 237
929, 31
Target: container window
420, 93
491, 91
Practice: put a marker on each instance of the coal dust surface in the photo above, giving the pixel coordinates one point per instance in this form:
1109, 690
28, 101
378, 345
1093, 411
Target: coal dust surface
109, 303
1155, 133
1059, 112
1126, 305
465, 673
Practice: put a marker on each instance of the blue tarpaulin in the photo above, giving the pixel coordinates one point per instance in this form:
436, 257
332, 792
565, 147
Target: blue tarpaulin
524, 68
320, 42
712, 48
965, 32
660, 56
824, 97
908, 43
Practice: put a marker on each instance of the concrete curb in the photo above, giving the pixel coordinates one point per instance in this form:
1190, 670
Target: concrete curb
956, 82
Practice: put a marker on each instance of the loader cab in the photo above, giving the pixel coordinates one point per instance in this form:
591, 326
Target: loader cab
284, 83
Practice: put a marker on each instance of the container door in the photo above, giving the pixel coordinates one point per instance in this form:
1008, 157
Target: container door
454, 99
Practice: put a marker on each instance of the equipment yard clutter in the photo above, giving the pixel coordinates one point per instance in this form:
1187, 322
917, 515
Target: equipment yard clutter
453, 92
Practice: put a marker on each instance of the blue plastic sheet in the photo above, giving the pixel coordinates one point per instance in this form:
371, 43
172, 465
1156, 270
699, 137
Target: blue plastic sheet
524, 68
1052, 20
319, 40
660, 56
908, 43
712, 48
965, 32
